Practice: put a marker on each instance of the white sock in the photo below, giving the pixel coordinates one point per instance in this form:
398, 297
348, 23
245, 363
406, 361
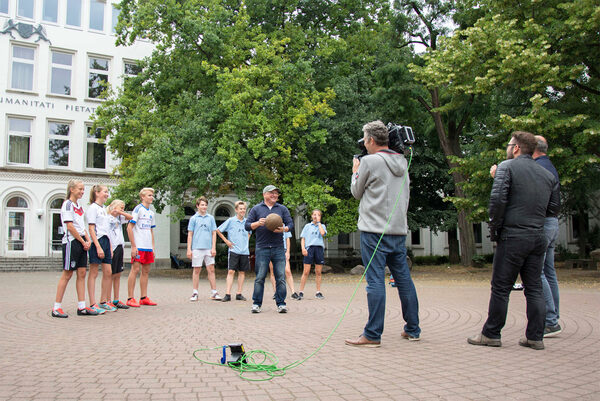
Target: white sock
57, 305
213, 292
81, 305
194, 291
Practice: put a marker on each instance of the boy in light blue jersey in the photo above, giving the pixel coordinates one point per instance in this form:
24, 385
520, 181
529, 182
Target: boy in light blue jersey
202, 247
238, 258
313, 250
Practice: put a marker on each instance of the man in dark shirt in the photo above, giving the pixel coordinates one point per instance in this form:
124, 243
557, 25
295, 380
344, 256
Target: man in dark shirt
523, 194
549, 280
269, 247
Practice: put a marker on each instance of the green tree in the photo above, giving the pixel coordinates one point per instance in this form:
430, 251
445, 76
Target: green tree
537, 63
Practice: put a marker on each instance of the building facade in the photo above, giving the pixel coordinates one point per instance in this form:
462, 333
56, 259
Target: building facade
58, 57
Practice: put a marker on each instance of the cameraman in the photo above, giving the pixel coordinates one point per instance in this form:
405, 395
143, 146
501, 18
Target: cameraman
376, 181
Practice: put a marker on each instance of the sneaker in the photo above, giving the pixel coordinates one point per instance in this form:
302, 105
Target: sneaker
255, 308
87, 312
194, 297
551, 331
133, 303
107, 307
226, 298
300, 296
517, 287
410, 337
273, 296
282, 309
216, 297
59, 313
295, 295
147, 301
96, 308
537, 345
480, 339
240, 297
319, 295
120, 305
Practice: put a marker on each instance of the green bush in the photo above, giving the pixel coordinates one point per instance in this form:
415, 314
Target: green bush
430, 260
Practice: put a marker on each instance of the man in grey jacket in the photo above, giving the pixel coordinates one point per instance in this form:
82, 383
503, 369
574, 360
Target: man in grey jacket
523, 194
380, 180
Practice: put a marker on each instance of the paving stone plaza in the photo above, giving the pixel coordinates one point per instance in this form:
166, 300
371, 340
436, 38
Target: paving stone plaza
146, 353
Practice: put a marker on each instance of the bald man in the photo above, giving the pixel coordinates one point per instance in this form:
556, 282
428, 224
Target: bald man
549, 280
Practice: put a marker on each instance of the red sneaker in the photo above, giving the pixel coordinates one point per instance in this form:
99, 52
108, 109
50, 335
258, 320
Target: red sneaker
147, 301
133, 303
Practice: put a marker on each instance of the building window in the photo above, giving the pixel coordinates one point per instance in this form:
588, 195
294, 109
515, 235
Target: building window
477, 233
15, 210
25, 8
415, 237
23, 60
60, 80
96, 151
131, 68
183, 224
576, 220
56, 228
221, 214
74, 12
98, 76
4, 6
58, 144
343, 240
50, 11
19, 140
97, 15
115, 18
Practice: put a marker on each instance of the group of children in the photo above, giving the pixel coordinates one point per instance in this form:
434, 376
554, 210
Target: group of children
102, 240
201, 249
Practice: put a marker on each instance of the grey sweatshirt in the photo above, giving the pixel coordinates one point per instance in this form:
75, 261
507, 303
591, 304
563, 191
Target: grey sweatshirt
379, 179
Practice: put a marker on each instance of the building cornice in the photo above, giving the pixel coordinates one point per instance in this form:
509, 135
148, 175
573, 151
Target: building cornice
35, 175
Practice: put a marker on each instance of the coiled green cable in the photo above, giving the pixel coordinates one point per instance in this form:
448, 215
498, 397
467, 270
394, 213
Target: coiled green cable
259, 361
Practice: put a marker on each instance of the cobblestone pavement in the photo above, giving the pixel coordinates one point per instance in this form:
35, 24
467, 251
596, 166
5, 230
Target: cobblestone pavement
146, 353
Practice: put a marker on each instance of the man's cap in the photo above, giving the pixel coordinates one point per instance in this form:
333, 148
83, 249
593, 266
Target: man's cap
270, 188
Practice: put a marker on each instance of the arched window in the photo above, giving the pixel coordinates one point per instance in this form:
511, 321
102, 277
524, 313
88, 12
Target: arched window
183, 224
56, 229
221, 214
15, 213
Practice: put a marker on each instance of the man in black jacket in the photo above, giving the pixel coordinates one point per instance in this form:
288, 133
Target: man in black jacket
523, 194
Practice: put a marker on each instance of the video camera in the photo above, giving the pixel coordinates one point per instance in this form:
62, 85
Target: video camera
399, 137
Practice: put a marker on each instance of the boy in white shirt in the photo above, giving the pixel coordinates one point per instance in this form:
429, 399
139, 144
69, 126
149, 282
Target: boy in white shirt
141, 235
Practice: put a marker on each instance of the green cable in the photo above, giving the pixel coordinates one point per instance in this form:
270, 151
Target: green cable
259, 361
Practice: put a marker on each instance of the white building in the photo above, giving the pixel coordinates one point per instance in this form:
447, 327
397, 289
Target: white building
58, 57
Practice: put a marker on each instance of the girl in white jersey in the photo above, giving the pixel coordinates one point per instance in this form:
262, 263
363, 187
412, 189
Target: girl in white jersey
75, 244
100, 250
117, 217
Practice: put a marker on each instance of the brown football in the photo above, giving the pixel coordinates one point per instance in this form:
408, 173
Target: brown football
273, 221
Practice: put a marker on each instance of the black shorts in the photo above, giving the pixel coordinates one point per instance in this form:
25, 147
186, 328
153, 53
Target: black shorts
238, 262
74, 256
315, 255
117, 260
105, 244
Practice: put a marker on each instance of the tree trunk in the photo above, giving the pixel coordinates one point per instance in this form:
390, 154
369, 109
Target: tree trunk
582, 229
453, 251
450, 144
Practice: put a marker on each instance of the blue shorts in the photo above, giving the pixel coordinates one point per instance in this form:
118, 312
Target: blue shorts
315, 255
105, 245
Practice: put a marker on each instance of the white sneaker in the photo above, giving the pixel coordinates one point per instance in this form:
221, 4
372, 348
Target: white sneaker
216, 297
194, 297
282, 309
255, 308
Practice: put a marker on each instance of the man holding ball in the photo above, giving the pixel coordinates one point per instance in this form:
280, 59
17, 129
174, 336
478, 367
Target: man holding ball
269, 245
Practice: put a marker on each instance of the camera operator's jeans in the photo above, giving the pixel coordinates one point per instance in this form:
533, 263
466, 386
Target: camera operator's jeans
391, 250
549, 280
263, 257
